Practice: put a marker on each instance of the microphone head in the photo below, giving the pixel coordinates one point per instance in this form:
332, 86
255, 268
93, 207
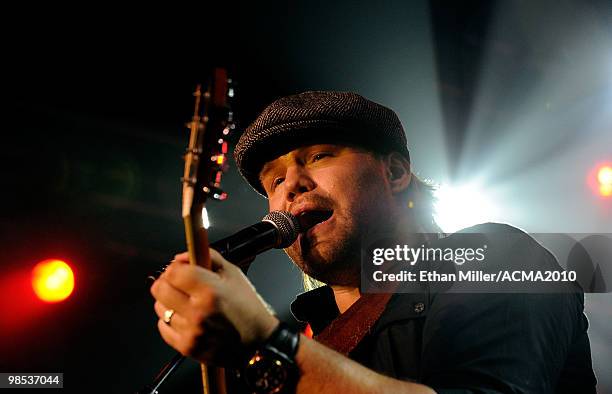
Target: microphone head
287, 225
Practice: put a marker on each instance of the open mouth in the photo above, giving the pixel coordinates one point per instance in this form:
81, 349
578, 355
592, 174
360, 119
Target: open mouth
309, 219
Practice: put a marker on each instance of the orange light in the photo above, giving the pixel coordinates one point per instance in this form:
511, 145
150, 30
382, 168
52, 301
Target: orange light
52, 280
604, 176
220, 159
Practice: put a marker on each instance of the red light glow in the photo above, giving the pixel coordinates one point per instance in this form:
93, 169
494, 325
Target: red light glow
604, 176
52, 280
599, 179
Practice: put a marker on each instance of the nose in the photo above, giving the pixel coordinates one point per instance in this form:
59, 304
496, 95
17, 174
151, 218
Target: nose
297, 181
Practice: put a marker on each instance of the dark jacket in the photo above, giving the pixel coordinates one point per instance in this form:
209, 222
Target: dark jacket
488, 342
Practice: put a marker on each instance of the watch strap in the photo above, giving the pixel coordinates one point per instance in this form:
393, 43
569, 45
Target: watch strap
284, 339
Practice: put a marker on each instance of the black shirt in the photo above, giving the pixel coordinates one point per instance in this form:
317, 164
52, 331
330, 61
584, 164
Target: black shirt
475, 343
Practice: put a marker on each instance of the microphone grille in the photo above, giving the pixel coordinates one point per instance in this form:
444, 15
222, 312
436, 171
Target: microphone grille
287, 225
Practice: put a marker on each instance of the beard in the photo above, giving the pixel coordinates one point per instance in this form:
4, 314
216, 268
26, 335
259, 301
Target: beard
334, 262
336, 258
333, 253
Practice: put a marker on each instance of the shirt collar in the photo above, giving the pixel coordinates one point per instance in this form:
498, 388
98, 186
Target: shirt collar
316, 307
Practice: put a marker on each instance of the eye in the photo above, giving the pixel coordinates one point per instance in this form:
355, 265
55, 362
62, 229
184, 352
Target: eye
276, 182
318, 156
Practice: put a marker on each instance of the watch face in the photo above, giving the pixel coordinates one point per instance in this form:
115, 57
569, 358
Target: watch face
266, 374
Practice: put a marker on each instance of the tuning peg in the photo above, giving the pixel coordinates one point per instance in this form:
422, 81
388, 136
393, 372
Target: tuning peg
215, 192
189, 181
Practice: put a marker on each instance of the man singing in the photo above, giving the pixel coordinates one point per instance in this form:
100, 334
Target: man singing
340, 163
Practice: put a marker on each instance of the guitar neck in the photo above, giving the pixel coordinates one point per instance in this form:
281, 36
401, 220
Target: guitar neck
213, 379
204, 164
196, 237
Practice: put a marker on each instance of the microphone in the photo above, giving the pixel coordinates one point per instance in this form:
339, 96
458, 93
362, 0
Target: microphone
278, 229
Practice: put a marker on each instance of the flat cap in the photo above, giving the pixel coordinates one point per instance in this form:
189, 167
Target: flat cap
316, 117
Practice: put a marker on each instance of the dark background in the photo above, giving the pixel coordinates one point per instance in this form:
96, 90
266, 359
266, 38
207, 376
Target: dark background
93, 133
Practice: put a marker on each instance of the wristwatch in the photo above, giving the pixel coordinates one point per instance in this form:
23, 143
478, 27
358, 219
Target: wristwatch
272, 369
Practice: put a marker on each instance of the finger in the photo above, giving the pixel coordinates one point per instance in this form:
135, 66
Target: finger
219, 263
181, 257
177, 321
224, 267
191, 279
172, 297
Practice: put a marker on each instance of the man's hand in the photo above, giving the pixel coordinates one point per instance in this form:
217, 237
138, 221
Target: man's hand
218, 314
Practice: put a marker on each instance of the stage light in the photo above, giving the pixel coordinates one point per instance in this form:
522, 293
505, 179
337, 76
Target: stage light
52, 280
604, 176
460, 207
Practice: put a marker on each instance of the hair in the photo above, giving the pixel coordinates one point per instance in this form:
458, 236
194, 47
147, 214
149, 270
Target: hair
420, 199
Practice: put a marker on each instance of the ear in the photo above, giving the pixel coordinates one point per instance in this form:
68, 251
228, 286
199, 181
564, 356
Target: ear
398, 172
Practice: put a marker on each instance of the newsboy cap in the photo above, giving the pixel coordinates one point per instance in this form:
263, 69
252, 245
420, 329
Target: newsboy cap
316, 117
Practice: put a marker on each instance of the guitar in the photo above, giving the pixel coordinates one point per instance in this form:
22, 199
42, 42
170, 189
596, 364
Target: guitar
205, 162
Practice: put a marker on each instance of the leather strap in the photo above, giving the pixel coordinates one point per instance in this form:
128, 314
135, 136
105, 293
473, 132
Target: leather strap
345, 332
284, 339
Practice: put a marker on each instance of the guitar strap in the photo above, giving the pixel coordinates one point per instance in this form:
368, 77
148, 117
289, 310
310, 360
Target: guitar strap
345, 332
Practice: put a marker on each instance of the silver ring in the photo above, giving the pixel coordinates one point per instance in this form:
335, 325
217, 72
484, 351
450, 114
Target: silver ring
168, 316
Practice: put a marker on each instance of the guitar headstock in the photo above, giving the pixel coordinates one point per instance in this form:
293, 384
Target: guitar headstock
206, 155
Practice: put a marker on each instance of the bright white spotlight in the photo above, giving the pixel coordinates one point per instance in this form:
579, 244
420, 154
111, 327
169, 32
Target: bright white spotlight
460, 207
205, 220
